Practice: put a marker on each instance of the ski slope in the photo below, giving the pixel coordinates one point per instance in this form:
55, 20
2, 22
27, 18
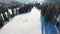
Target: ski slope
29, 23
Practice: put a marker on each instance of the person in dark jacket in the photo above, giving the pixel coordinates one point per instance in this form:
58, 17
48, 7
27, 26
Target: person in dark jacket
1, 21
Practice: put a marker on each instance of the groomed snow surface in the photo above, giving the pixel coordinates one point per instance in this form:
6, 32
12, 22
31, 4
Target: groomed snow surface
28, 23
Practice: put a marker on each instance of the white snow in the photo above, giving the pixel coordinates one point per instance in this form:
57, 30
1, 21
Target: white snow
28, 23
10, 11
58, 18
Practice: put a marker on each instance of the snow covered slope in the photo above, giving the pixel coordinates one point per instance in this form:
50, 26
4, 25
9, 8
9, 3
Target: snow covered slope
28, 23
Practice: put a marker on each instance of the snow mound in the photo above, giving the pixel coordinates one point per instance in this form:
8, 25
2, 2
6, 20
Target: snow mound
28, 23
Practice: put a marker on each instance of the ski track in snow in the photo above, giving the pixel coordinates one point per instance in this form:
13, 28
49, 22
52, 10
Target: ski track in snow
29, 23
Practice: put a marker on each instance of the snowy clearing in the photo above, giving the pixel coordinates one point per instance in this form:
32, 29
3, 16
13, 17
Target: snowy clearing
29, 23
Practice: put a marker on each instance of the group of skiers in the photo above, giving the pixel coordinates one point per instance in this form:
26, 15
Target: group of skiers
26, 8
5, 15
